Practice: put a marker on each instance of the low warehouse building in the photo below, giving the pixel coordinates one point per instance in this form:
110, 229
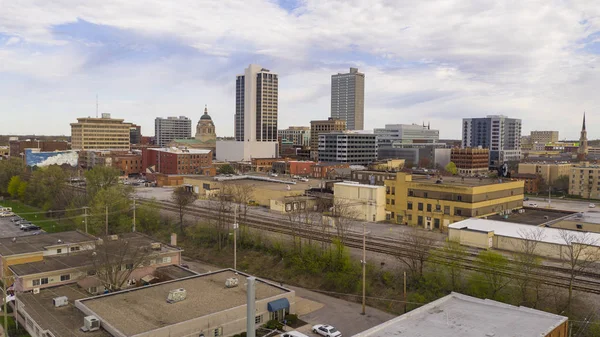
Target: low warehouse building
359, 201
484, 233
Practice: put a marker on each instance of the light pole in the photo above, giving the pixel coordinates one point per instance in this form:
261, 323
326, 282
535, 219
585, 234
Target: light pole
364, 267
235, 228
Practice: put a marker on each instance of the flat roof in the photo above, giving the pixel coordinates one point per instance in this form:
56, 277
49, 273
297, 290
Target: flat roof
460, 181
145, 309
584, 217
531, 216
175, 272
358, 185
37, 243
63, 321
515, 230
461, 315
277, 184
180, 151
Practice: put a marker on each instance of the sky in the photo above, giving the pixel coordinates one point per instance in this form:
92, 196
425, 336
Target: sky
425, 61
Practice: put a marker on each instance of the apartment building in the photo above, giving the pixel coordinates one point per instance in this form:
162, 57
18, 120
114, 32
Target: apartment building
548, 171
104, 133
354, 148
544, 137
500, 134
298, 135
532, 181
323, 126
171, 128
471, 161
434, 203
348, 98
584, 181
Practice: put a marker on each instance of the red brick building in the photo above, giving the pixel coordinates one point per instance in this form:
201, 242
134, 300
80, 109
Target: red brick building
532, 181
16, 147
178, 161
294, 167
470, 161
128, 164
322, 170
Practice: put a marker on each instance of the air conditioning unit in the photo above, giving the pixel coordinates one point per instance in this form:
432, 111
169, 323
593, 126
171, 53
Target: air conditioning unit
176, 295
113, 237
232, 282
36, 290
155, 245
60, 301
90, 323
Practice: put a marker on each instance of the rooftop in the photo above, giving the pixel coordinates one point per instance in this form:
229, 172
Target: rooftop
466, 316
63, 321
181, 150
585, 217
531, 216
514, 230
258, 181
354, 184
38, 243
459, 181
144, 309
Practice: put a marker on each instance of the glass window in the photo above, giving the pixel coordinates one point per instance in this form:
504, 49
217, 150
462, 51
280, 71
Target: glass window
58, 251
44, 280
393, 201
420, 220
420, 206
428, 207
409, 205
438, 207
65, 277
258, 319
459, 197
436, 223
36, 282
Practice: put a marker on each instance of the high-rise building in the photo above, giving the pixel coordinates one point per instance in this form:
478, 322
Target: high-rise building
298, 135
582, 152
323, 126
500, 134
135, 134
354, 148
348, 98
100, 134
256, 105
544, 137
406, 133
171, 128
470, 161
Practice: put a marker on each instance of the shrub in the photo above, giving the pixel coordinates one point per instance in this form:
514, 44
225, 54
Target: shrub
291, 319
274, 325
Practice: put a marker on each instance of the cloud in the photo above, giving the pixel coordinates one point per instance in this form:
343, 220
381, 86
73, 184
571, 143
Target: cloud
424, 60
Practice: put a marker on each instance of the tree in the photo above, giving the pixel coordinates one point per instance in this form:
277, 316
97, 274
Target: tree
47, 188
448, 258
578, 253
99, 178
117, 201
346, 215
148, 217
528, 261
13, 186
223, 204
451, 168
114, 260
491, 277
182, 197
226, 169
8, 169
424, 163
561, 184
242, 195
416, 245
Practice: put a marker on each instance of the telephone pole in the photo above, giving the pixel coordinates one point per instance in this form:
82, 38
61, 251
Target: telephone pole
106, 220
134, 214
235, 227
364, 268
85, 216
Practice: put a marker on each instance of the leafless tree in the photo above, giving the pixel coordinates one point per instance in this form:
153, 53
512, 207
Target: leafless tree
182, 198
114, 260
416, 245
527, 262
223, 203
242, 195
448, 258
346, 216
302, 217
579, 251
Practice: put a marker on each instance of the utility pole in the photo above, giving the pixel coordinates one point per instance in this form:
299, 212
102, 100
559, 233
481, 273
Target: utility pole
4, 299
85, 217
134, 214
235, 228
364, 268
106, 220
405, 292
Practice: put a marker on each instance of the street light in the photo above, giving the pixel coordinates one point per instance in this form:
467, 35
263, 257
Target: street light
364, 267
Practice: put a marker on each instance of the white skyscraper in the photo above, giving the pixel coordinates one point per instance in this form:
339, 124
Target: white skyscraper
348, 98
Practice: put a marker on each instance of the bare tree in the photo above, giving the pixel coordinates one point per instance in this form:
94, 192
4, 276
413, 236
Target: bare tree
491, 277
114, 260
242, 194
301, 216
182, 198
528, 261
578, 253
346, 216
223, 204
415, 250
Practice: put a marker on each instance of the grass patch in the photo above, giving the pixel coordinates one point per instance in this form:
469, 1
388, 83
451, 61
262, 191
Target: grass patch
12, 327
40, 219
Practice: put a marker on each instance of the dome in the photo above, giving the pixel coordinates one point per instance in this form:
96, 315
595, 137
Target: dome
205, 116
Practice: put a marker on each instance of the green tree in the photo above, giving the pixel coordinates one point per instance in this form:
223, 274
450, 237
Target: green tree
447, 260
148, 217
13, 186
99, 178
226, 169
561, 184
47, 189
182, 198
8, 169
490, 279
451, 168
22, 190
114, 201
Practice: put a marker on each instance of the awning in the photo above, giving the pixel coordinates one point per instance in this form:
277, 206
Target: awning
148, 278
279, 304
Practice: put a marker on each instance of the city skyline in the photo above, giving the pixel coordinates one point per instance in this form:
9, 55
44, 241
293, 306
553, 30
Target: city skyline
434, 63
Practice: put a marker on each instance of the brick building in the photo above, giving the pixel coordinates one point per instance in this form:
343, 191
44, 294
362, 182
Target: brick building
178, 161
532, 181
293, 167
128, 164
470, 161
322, 170
16, 147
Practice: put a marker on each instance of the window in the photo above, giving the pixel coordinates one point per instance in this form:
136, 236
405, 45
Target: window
579, 226
436, 223
420, 220
459, 197
93, 290
35, 283
393, 201
438, 207
457, 212
409, 217
75, 248
428, 207
387, 201
410, 193
43, 280
425, 194
258, 319
420, 206
393, 191
129, 266
409, 205
58, 251
65, 277
166, 259
218, 332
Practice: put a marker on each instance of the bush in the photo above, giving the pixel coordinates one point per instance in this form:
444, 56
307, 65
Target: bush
291, 319
274, 325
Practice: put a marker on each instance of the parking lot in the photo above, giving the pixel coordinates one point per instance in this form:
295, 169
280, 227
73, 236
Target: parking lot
8, 229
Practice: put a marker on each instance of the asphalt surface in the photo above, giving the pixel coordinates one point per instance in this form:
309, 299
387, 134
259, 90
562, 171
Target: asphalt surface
562, 204
8, 229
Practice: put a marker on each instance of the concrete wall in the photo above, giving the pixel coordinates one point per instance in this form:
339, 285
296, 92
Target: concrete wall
244, 151
365, 202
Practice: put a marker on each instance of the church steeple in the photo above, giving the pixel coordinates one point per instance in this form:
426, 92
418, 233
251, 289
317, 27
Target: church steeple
582, 152
583, 127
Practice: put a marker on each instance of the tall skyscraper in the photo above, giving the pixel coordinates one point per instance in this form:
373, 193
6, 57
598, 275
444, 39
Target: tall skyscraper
348, 98
256, 105
171, 128
500, 134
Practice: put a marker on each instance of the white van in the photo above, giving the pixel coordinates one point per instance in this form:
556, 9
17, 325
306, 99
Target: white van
293, 334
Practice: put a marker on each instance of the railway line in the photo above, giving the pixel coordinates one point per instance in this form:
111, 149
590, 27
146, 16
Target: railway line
550, 275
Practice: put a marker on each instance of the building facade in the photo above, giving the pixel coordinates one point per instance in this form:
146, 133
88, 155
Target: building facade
323, 126
178, 161
543, 137
532, 182
358, 201
500, 134
298, 135
470, 161
348, 147
369, 177
324, 170
584, 181
17, 147
436, 203
135, 134
104, 133
405, 133
171, 128
348, 98
549, 172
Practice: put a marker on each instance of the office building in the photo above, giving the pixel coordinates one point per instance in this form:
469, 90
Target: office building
104, 133
348, 98
434, 203
406, 133
298, 135
425, 155
500, 134
543, 137
171, 128
256, 117
465, 316
470, 161
323, 126
354, 148
135, 134
549, 172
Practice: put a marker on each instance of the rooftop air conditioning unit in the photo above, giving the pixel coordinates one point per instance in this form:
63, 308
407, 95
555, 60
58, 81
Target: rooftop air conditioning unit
113, 237
155, 245
36, 290
232, 282
176, 295
90, 323
60, 301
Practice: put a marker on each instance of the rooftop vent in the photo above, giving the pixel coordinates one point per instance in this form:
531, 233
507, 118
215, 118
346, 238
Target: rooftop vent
176, 295
113, 237
90, 323
59, 241
60, 301
232, 282
155, 245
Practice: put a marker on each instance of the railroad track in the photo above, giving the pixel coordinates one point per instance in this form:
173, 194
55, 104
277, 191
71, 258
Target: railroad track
549, 275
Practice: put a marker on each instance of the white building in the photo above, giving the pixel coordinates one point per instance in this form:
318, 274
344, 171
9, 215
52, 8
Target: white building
352, 147
406, 134
171, 128
363, 202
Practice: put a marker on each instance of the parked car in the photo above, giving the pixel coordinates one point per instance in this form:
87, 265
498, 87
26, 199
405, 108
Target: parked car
31, 228
326, 330
526, 199
16, 219
533, 204
24, 225
293, 334
592, 205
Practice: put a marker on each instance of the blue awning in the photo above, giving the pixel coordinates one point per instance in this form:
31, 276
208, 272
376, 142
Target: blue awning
279, 304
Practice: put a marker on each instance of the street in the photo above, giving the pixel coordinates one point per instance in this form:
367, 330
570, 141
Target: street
561, 204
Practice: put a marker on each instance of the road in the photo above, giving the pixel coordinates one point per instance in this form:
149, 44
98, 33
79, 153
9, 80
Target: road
561, 204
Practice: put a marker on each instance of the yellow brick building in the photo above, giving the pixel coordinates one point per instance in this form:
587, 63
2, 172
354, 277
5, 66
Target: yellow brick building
548, 171
584, 181
435, 203
100, 134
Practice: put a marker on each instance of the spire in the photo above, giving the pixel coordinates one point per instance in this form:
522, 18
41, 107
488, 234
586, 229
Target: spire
206, 111
428, 124
583, 127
